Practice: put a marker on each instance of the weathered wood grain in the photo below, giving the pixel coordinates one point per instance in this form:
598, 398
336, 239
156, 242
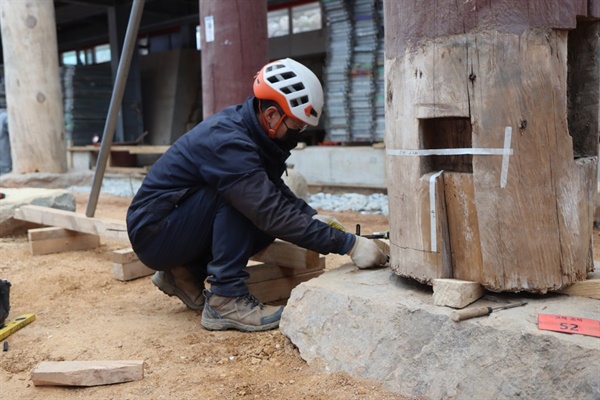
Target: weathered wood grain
463, 226
86, 373
532, 207
112, 228
56, 240
289, 255
32, 87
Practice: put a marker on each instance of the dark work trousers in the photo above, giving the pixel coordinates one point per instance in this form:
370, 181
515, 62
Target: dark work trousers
210, 238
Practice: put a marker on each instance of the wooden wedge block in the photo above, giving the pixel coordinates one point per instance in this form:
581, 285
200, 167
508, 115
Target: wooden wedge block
124, 256
57, 240
267, 272
126, 266
288, 255
279, 289
589, 288
86, 373
456, 293
384, 245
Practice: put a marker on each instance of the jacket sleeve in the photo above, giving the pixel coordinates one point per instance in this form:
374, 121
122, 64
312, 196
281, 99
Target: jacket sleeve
298, 202
234, 169
257, 198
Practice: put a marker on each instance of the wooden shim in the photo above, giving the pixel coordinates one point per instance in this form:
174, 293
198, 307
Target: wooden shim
56, 240
589, 288
86, 373
288, 255
126, 265
384, 245
455, 293
124, 256
412, 254
111, 228
279, 289
130, 271
268, 272
463, 227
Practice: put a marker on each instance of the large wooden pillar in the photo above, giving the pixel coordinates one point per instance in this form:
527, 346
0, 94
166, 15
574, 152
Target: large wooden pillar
234, 48
33, 92
488, 180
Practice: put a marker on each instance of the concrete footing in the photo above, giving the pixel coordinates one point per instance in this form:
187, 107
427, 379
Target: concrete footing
376, 325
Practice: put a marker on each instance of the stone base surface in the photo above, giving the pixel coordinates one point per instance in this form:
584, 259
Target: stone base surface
376, 325
15, 198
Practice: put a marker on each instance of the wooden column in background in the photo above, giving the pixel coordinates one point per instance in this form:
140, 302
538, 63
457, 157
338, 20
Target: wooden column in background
234, 51
33, 92
458, 74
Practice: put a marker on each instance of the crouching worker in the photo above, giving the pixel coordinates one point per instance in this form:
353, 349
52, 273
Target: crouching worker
216, 197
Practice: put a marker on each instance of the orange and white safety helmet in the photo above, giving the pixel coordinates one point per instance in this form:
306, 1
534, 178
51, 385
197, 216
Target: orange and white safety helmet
294, 87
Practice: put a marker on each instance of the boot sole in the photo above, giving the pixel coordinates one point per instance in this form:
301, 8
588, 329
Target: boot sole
174, 291
225, 324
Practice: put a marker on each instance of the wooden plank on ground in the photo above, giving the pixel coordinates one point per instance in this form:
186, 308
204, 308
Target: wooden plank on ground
279, 289
86, 373
588, 288
456, 293
111, 228
288, 255
126, 266
145, 149
56, 240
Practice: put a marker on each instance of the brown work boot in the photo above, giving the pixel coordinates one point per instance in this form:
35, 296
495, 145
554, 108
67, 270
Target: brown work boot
244, 313
180, 282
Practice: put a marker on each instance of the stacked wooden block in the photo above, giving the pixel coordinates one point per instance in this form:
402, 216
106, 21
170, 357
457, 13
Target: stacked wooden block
274, 272
283, 266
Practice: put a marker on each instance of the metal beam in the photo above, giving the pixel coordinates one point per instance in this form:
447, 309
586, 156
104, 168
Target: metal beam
95, 3
76, 13
115, 103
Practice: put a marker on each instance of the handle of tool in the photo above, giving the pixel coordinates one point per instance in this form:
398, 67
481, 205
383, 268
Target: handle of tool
473, 312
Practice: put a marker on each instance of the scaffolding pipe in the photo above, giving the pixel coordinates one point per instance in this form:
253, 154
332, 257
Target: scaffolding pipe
115, 103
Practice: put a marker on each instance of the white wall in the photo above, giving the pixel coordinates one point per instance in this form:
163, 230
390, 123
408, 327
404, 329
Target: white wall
344, 166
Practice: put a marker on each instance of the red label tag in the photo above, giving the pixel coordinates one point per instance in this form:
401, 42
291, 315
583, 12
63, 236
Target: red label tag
562, 323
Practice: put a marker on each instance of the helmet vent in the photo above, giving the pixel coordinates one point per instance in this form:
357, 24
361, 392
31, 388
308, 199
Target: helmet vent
293, 88
274, 67
299, 101
281, 77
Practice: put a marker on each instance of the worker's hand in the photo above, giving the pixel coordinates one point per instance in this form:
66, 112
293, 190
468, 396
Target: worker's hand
366, 254
332, 222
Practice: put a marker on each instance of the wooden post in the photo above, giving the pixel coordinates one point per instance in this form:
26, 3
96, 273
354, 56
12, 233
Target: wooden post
234, 48
33, 92
481, 94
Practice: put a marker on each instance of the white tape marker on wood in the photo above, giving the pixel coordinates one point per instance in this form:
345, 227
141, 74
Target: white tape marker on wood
507, 152
448, 152
433, 220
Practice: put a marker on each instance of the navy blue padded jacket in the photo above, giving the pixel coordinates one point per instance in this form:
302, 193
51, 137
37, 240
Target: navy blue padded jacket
231, 153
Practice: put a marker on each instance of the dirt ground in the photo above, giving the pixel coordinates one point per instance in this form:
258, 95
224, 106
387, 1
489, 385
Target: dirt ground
83, 313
